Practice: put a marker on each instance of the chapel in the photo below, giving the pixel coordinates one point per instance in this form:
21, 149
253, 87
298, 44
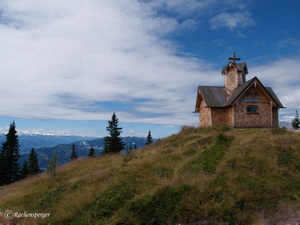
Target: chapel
239, 103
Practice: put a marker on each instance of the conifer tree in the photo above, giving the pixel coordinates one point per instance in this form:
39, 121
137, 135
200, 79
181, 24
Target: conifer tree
2, 167
33, 163
149, 139
24, 170
113, 142
135, 147
92, 152
296, 121
73, 154
9, 156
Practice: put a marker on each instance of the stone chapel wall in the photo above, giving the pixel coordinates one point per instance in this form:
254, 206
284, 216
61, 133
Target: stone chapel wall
204, 115
275, 117
261, 118
219, 116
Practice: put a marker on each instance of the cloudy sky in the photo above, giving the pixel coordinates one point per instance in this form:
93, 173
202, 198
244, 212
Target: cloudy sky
67, 65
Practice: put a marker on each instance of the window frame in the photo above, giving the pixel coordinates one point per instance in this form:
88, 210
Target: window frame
252, 106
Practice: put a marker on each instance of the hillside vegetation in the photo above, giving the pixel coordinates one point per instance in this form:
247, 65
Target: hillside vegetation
199, 176
82, 150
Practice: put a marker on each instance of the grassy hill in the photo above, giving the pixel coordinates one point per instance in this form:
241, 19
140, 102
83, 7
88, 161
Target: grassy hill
199, 176
82, 150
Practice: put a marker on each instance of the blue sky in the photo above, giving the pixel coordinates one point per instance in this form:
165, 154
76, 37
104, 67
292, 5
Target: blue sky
66, 66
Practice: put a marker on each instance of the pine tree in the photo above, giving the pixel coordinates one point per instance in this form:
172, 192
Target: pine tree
149, 139
135, 147
9, 156
24, 170
296, 121
92, 152
73, 154
113, 143
33, 163
3, 176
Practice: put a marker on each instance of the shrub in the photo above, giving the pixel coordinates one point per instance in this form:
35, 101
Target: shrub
190, 152
223, 128
205, 141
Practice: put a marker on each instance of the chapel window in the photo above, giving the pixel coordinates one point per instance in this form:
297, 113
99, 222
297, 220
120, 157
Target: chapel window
252, 109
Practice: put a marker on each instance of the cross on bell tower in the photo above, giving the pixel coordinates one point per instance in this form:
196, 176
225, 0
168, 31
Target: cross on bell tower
234, 58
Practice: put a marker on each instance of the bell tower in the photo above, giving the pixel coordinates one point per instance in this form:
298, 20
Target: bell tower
234, 74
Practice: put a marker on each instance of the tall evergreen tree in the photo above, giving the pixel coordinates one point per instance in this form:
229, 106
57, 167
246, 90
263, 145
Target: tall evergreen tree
149, 139
9, 156
33, 163
113, 143
24, 170
135, 147
296, 121
92, 152
73, 154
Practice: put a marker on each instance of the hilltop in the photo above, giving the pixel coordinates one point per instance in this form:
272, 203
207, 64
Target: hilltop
198, 176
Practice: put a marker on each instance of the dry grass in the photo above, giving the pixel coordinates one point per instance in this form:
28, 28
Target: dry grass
254, 179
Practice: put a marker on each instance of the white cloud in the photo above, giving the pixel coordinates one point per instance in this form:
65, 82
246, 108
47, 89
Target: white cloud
288, 42
232, 20
4, 130
192, 8
60, 58
283, 76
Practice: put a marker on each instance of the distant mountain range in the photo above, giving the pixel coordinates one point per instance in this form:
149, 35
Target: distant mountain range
285, 124
27, 142
63, 149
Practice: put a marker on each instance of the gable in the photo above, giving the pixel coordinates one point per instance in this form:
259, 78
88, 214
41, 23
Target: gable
238, 93
214, 96
239, 66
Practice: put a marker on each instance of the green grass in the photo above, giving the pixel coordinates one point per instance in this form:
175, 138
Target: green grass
208, 159
199, 176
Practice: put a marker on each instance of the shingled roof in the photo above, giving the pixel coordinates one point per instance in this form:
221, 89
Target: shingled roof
238, 92
240, 67
215, 96
274, 96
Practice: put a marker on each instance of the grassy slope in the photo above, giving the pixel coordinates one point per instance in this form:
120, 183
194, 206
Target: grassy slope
198, 176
